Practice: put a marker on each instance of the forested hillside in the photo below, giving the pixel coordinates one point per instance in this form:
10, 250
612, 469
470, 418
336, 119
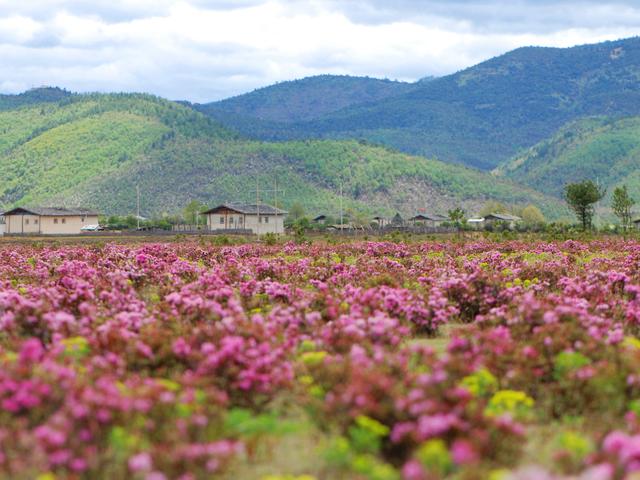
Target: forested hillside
93, 150
480, 116
602, 149
305, 99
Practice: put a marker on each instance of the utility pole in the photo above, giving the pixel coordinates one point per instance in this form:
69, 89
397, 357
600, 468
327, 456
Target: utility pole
257, 207
341, 216
138, 205
598, 204
275, 192
275, 201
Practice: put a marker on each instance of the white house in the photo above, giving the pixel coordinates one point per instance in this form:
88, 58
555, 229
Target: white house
260, 219
2, 226
47, 220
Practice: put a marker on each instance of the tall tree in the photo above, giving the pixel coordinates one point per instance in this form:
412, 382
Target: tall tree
192, 211
296, 211
622, 204
581, 197
531, 215
457, 217
493, 206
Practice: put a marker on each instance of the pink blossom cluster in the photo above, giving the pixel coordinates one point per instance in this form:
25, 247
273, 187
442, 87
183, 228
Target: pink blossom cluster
141, 361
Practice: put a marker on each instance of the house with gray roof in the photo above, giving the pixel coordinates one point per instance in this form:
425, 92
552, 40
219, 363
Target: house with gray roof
428, 219
48, 220
505, 218
258, 218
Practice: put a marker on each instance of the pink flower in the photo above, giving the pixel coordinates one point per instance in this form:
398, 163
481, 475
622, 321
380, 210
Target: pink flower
140, 462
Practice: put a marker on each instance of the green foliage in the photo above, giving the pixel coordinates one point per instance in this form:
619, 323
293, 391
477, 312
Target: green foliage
246, 424
621, 205
581, 198
481, 384
565, 363
367, 434
517, 404
531, 215
574, 449
192, 212
296, 211
435, 457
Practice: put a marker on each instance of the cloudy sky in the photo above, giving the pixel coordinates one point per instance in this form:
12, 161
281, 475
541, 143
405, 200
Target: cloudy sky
204, 50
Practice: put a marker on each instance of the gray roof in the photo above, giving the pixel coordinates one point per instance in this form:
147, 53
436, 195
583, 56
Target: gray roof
435, 217
50, 211
503, 216
249, 209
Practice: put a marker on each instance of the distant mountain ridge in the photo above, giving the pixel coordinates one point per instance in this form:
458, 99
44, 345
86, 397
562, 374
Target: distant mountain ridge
480, 116
32, 97
301, 100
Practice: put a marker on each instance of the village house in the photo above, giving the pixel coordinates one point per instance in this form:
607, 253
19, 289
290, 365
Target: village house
637, 223
320, 219
494, 218
380, 222
48, 220
428, 220
259, 219
2, 226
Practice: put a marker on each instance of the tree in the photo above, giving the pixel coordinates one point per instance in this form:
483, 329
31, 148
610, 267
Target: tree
531, 215
192, 212
581, 197
296, 211
492, 206
622, 204
457, 217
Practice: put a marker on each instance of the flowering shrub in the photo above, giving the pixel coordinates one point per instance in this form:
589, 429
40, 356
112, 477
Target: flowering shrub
415, 361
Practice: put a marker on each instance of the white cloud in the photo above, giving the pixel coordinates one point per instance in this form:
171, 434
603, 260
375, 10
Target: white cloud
203, 50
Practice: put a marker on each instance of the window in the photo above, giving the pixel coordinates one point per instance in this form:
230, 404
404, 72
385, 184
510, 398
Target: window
266, 219
64, 220
230, 219
82, 218
55, 220
221, 220
35, 222
26, 221
240, 220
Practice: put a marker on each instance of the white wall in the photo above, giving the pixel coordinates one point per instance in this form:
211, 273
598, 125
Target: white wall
268, 223
34, 224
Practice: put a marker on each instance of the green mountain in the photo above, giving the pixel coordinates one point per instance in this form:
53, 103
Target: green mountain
480, 116
93, 150
32, 97
601, 149
302, 100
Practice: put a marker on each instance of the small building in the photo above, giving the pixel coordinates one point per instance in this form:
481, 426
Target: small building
637, 223
320, 219
397, 221
380, 222
2, 226
48, 220
429, 220
259, 219
505, 218
476, 222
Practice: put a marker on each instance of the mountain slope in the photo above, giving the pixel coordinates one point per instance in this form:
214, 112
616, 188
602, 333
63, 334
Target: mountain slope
485, 114
32, 97
305, 99
601, 149
93, 150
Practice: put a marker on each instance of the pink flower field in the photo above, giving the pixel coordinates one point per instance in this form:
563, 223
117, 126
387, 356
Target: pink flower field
363, 360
